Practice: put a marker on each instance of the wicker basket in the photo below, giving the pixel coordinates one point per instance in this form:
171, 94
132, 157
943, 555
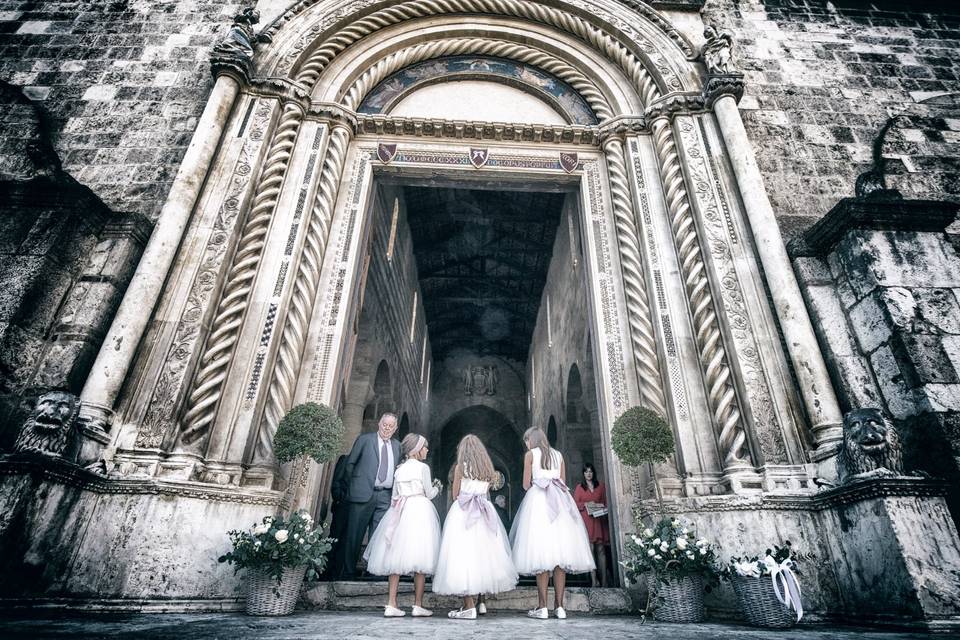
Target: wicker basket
266, 598
760, 605
677, 599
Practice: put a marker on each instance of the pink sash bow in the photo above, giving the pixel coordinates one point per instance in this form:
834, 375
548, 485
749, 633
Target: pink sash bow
477, 507
396, 509
558, 496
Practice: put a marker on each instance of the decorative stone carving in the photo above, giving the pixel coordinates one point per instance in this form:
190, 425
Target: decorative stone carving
870, 444
235, 51
50, 429
717, 50
480, 381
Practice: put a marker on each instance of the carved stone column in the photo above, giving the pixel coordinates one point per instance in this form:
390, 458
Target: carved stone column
816, 389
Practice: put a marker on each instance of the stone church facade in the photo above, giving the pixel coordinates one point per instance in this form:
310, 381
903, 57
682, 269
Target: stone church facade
481, 215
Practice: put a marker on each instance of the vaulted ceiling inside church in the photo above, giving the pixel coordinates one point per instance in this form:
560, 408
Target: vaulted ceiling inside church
482, 258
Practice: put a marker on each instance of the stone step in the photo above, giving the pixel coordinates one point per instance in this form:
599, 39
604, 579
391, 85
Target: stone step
370, 596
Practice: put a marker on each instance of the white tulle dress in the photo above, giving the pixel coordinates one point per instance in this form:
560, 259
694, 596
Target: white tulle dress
407, 540
548, 531
475, 551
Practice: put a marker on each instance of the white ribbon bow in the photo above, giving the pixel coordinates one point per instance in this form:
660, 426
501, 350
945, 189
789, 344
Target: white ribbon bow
790, 596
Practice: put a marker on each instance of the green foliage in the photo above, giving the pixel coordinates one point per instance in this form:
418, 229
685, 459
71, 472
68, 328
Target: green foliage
671, 549
277, 543
640, 436
309, 429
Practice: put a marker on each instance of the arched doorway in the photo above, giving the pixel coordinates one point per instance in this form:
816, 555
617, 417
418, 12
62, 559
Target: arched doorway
502, 440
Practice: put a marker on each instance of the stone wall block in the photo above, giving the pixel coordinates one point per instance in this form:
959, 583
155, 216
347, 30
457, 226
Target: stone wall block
857, 385
65, 364
938, 310
899, 258
939, 398
869, 324
923, 360
88, 309
898, 396
813, 271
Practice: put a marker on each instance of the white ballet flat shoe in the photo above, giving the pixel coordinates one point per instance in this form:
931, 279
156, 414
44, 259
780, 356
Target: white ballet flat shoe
560, 612
539, 614
420, 612
463, 614
393, 612
482, 608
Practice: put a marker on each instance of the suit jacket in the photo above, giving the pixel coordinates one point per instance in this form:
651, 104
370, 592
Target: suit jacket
362, 466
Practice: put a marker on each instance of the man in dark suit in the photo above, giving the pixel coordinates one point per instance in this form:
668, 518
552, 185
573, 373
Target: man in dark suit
369, 476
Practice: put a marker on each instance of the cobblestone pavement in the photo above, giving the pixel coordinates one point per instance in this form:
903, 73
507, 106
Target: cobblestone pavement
361, 626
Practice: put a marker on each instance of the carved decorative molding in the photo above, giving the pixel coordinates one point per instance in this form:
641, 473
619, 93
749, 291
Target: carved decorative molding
645, 356
284, 381
721, 394
225, 328
464, 130
309, 72
675, 104
719, 85
478, 46
72, 475
622, 126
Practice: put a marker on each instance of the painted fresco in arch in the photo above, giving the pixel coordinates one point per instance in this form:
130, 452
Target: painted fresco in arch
406, 79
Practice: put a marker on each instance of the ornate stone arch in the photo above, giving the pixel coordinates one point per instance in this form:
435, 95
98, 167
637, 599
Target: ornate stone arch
293, 104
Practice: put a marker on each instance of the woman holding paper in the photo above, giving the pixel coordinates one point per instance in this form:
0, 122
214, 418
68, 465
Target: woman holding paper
591, 498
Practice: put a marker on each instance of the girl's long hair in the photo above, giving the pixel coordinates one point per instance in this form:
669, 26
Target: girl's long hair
474, 461
538, 440
409, 442
596, 478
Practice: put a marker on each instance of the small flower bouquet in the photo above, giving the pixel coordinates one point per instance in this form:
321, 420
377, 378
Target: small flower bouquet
679, 567
279, 553
766, 586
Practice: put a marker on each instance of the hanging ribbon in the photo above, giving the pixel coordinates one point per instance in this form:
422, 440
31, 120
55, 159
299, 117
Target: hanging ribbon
790, 596
393, 517
558, 497
477, 507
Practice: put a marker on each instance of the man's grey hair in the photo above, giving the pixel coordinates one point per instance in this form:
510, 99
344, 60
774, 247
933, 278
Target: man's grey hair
388, 415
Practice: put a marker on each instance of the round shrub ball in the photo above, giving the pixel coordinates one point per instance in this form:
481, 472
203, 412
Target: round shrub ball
640, 436
309, 429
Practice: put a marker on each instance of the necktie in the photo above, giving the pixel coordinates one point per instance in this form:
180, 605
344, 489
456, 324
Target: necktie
382, 471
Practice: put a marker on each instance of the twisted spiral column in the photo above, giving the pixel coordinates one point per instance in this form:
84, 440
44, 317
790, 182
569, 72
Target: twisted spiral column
634, 285
310, 71
225, 329
284, 382
713, 359
478, 46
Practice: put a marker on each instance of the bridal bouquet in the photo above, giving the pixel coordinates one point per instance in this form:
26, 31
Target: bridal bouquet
277, 543
670, 548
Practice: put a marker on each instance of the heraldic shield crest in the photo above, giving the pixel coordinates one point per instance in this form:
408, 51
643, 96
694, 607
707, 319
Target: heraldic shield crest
568, 161
386, 152
479, 157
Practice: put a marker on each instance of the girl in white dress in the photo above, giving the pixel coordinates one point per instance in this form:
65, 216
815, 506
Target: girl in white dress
474, 551
548, 533
408, 538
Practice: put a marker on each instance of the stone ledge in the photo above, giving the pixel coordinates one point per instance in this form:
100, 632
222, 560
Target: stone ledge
851, 214
370, 596
66, 473
866, 488
121, 605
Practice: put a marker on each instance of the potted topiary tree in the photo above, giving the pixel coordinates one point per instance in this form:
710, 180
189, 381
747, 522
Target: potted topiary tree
641, 436
281, 553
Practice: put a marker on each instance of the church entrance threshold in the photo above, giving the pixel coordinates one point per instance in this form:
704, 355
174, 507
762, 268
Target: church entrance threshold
473, 314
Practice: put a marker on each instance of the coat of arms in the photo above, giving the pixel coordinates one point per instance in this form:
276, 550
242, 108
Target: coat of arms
386, 152
568, 161
479, 157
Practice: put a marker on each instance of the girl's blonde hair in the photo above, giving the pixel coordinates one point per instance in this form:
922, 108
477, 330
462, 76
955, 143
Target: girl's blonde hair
538, 440
474, 461
409, 442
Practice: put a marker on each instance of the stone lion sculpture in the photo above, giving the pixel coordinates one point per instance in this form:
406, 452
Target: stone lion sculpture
870, 444
50, 428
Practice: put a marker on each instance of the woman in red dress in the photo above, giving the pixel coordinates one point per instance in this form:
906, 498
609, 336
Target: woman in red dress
591, 493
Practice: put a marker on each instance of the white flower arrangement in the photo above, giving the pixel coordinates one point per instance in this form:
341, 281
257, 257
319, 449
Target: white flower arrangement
670, 548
